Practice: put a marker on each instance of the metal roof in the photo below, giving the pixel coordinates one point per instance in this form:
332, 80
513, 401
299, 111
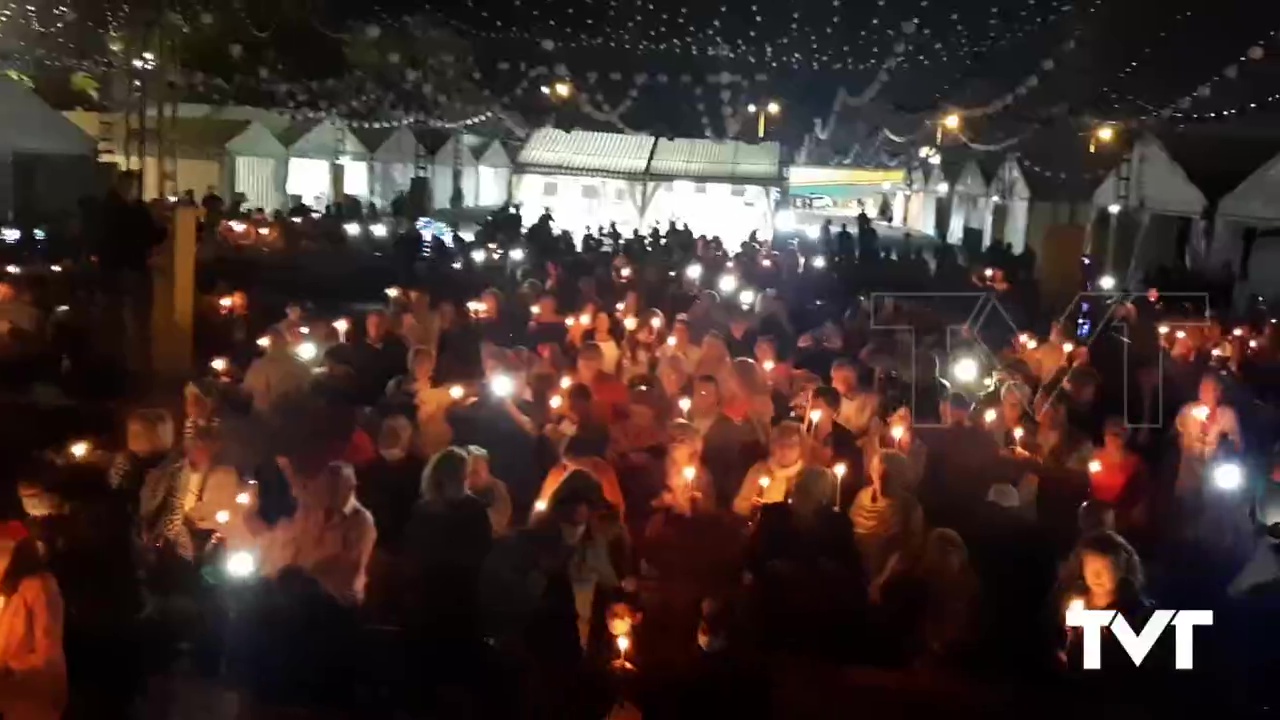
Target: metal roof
727, 160
582, 152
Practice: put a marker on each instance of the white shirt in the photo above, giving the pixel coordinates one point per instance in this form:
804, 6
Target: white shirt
1200, 438
333, 549
273, 377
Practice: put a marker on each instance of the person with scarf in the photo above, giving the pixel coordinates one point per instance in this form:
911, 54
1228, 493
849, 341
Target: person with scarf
33, 669
772, 480
886, 518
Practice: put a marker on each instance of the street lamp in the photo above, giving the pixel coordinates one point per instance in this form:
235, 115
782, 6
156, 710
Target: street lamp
1102, 135
770, 108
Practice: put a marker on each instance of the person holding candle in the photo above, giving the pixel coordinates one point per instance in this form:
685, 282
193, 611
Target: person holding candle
33, 669
728, 448
679, 343
886, 517
1201, 426
1015, 406
782, 468
830, 442
1116, 475
1103, 573
859, 409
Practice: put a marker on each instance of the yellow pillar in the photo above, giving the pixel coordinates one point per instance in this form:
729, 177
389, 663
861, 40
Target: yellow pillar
173, 306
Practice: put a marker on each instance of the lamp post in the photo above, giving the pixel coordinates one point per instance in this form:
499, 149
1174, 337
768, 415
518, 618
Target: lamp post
769, 108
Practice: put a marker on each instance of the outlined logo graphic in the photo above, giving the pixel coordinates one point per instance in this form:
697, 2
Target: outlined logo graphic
1137, 645
972, 320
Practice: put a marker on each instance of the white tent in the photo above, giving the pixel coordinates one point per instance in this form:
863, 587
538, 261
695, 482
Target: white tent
392, 163
1157, 184
1244, 216
46, 162
494, 176
968, 202
1009, 208
1161, 200
454, 153
316, 148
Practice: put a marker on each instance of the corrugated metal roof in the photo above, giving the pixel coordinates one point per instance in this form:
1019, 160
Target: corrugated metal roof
717, 159
582, 151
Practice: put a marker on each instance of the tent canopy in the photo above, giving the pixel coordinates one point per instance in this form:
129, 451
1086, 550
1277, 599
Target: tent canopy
31, 126
1008, 182
1156, 183
445, 156
970, 180
322, 140
582, 152
389, 144
495, 156
209, 137
1255, 198
717, 161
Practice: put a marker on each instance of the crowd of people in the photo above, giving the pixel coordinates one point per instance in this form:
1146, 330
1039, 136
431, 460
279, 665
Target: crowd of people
576, 463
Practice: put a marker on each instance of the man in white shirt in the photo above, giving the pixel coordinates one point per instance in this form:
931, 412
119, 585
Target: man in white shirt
276, 375
329, 538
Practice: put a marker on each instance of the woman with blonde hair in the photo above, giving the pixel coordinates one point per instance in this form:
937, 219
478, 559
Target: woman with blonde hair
33, 669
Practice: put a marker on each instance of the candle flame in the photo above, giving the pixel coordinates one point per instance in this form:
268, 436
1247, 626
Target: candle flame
989, 416
840, 469
764, 482
1018, 432
1095, 466
456, 392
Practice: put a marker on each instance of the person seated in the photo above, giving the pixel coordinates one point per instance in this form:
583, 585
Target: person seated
33, 669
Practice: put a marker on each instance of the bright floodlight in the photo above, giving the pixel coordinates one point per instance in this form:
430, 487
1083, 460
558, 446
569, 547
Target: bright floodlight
1114, 208
694, 271
819, 262
727, 284
241, 565
378, 230
1228, 476
965, 370
306, 351
517, 254
1107, 282
352, 229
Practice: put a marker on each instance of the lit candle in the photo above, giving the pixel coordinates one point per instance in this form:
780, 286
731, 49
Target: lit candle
1032, 344
1018, 432
768, 366
671, 341
1181, 334
584, 319
1075, 605
814, 417
896, 432
556, 402
540, 506
620, 306
219, 365
392, 292
456, 392
1095, 466
690, 472
1163, 329
656, 323
264, 342
79, 449
1201, 413
566, 382
568, 322
764, 485
989, 272
222, 516
1253, 344
684, 403
243, 498
1024, 338
1068, 347
342, 325
1238, 332
534, 310
630, 323
225, 302
989, 416
839, 470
